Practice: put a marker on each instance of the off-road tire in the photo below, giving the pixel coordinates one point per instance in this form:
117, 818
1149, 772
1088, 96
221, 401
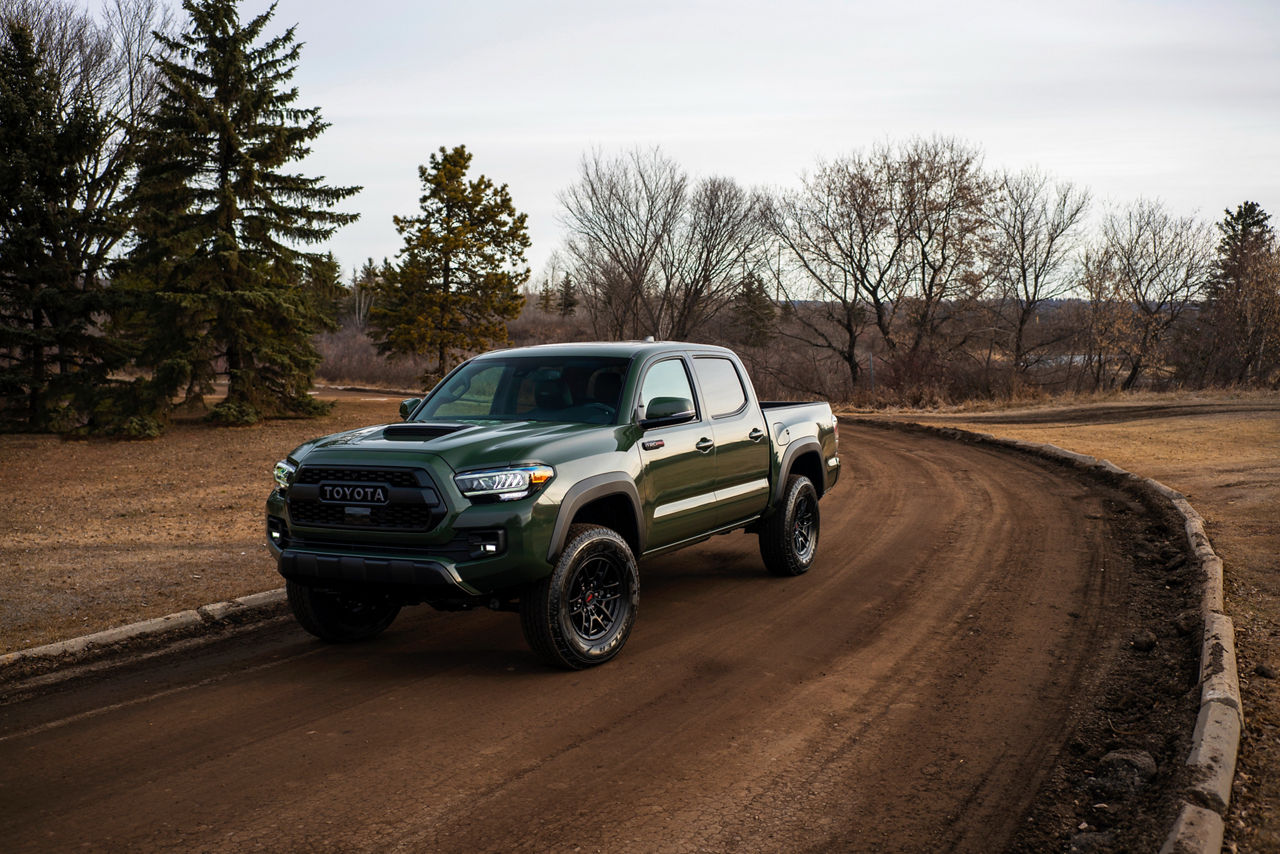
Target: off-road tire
582, 613
789, 537
338, 618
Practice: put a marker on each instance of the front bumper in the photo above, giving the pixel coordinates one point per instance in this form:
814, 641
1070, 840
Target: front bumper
435, 566
428, 578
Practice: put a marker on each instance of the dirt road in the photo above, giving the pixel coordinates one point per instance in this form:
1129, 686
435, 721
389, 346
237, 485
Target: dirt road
1223, 453
907, 694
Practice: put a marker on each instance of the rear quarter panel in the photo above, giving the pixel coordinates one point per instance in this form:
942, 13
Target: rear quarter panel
803, 435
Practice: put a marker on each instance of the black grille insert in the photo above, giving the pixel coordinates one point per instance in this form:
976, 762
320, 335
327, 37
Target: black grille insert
391, 477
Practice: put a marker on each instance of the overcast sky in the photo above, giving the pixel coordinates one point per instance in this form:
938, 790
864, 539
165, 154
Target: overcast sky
1174, 100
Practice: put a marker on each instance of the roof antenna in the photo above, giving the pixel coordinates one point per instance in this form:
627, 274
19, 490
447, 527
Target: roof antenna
648, 339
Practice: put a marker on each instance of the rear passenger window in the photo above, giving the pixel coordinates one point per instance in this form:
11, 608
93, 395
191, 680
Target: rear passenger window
721, 385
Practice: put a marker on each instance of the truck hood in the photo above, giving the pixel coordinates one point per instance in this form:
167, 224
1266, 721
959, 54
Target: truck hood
472, 445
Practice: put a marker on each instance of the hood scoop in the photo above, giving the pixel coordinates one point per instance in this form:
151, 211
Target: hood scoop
419, 430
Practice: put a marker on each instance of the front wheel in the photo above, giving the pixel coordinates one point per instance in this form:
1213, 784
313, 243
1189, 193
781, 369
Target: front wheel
581, 614
338, 618
789, 539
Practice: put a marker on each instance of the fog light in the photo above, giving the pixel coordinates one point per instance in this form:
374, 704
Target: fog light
486, 544
275, 530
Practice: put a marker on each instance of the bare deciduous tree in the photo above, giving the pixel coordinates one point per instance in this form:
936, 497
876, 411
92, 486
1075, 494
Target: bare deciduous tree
962, 282
892, 237
707, 257
944, 198
842, 242
618, 215
1035, 228
653, 255
106, 65
1105, 319
1157, 264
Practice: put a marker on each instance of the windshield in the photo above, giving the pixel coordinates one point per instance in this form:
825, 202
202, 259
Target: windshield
576, 389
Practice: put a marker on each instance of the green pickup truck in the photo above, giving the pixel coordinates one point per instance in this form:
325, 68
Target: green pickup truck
532, 480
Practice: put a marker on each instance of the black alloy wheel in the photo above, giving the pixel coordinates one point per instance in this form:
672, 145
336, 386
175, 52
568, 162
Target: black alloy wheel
804, 528
789, 537
595, 596
582, 613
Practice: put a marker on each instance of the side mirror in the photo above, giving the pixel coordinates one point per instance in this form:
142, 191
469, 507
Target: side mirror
666, 411
407, 406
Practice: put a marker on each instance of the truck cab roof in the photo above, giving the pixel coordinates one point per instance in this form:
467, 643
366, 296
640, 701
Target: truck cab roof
614, 349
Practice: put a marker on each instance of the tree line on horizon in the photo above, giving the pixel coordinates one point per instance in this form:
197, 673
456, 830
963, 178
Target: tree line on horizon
153, 243
913, 260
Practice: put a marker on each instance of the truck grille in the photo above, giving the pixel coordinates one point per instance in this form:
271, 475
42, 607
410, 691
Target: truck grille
413, 504
391, 477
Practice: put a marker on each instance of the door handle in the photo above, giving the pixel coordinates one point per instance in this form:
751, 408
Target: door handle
756, 435
705, 445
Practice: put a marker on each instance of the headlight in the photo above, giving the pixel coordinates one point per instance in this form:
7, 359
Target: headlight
284, 473
504, 484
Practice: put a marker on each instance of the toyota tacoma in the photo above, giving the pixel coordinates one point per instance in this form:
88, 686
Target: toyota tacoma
534, 479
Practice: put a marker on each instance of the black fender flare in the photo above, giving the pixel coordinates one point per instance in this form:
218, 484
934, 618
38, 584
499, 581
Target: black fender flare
794, 449
583, 493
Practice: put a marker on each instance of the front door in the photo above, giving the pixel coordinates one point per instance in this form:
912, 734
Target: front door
679, 461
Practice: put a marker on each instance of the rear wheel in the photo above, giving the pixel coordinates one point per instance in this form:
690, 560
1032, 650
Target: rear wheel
338, 617
581, 614
789, 538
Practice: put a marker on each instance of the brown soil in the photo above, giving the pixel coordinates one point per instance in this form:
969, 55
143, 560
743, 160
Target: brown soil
971, 613
98, 534
1225, 456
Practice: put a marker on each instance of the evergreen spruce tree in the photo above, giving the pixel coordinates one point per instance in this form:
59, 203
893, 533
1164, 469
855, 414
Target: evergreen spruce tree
546, 297
755, 314
566, 296
460, 271
51, 357
219, 217
1242, 308
322, 283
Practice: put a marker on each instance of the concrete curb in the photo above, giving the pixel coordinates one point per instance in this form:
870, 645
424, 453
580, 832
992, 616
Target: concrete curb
1216, 740
206, 618
1196, 830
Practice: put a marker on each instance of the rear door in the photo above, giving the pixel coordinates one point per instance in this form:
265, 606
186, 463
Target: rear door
742, 441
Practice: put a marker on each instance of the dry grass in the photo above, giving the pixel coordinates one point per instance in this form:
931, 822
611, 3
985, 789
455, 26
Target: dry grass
98, 534
1035, 400
1223, 452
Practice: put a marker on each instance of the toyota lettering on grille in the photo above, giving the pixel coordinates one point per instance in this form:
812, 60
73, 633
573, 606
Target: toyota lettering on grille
353, 493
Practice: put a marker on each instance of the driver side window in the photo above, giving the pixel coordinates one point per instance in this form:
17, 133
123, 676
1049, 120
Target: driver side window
667, 378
